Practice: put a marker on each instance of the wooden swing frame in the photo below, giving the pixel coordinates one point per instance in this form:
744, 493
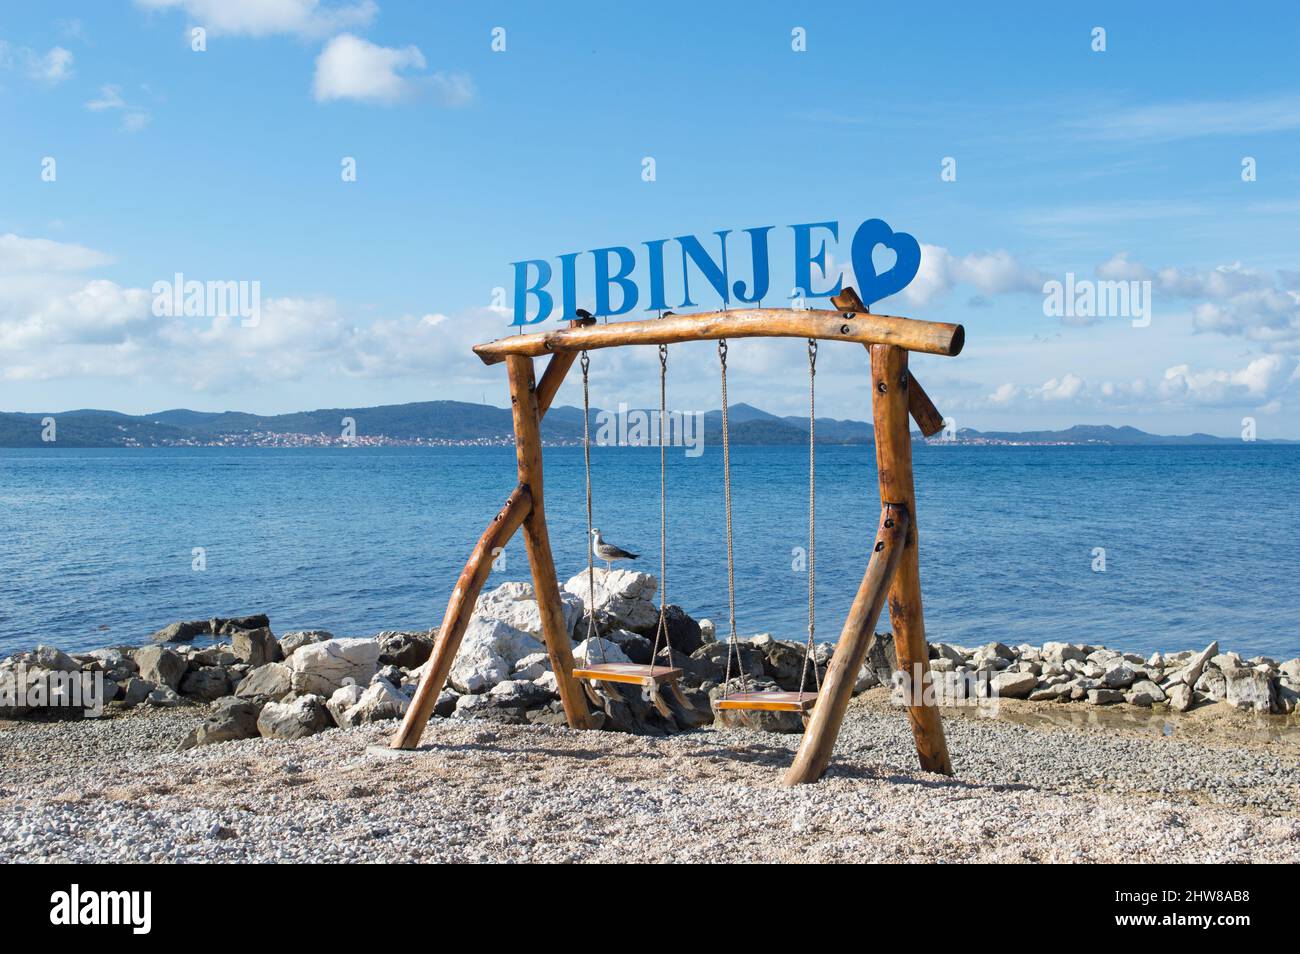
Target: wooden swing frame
892, 570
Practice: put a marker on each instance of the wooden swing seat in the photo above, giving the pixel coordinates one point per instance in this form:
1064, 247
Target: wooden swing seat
770, 701
633, 673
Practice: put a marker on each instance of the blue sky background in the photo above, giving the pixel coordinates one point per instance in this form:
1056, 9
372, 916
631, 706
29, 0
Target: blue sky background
225, 165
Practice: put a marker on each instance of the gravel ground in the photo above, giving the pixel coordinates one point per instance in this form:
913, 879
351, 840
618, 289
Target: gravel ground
1218, 789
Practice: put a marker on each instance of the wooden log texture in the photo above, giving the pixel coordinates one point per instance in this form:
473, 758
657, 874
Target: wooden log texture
457, 616
465, 594
851, 650
922, 409
528, 453
931, 337
889, 381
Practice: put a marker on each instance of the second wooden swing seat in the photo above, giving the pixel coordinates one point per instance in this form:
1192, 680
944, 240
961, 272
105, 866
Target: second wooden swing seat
892, 572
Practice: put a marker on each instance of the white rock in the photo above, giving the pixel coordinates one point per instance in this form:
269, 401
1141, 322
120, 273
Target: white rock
1103, 697
488, 652
1286, 699
1013, 685
515, 604
1144, 693
1291, 669
164, 697
949, 652
1181, 697
548, 682
47, 657
1119, 676
625, 595
295, 719
379, 701
271, 682
1213, 683
1249, 690
1196, 665
1225, 661
343, 699
589, 654
1059, 653
531, 666
322, 668
1054, 691
867, 679
709, 632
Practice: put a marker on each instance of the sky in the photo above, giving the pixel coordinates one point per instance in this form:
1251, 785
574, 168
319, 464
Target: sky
1014, 141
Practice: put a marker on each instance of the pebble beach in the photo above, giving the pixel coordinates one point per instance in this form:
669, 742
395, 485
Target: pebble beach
1221, 786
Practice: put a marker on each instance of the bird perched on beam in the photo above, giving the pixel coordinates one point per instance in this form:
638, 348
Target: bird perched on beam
607, 553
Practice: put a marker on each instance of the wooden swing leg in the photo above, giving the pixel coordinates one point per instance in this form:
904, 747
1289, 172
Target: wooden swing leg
456, 619
528, 453
470, 583
851, 650
891, 382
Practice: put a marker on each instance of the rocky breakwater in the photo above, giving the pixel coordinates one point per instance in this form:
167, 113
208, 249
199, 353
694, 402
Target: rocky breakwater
1097, 676
255, 684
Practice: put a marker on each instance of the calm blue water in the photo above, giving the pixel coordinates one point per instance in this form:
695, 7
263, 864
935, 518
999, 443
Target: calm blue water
1201, 542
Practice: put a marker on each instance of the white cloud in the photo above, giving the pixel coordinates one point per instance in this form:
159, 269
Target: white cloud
991, 273
352, 68
257, 18
1264, 381
110, 97
54, 67
453, 89
1259, 380
18, 254
51, 68
1229, 299
134, 118
1168, 122
57, 323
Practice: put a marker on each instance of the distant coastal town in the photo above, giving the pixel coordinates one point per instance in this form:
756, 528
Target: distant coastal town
461, 424
273, 439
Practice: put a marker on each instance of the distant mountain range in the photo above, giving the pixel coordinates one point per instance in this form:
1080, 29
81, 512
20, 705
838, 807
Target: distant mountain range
458, 422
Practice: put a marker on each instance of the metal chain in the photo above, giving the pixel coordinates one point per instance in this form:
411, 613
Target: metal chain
808, 654
591, 567
733, 644
662, 629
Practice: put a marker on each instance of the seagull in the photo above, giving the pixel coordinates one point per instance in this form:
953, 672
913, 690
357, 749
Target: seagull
607, 552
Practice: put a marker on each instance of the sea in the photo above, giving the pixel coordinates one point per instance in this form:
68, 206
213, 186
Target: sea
1140, 548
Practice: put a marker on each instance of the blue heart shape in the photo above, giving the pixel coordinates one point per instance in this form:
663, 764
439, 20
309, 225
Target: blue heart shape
871, 286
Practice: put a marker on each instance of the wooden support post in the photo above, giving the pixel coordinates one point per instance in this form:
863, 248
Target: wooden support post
456, 619
922, 409
851, 651
528, 453
461, 605
889, 388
